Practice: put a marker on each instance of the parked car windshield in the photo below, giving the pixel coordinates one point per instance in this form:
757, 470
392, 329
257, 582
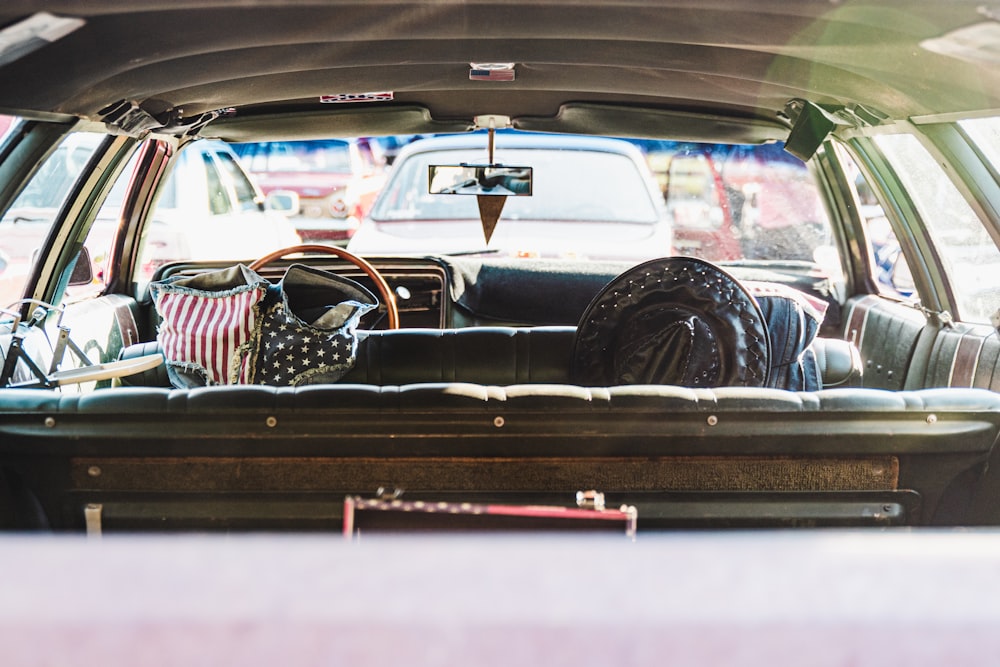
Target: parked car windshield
568, 185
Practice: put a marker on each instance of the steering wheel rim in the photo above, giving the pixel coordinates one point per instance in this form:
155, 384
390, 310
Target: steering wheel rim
380, 283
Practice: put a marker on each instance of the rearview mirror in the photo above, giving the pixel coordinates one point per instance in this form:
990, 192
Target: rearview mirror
479, 179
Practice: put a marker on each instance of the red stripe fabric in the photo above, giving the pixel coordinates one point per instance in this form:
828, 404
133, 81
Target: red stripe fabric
207, 330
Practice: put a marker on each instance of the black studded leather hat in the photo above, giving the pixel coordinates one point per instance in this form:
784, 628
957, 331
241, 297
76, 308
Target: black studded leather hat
676, 320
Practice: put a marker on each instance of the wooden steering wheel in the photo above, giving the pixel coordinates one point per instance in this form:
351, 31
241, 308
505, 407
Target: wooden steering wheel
380, 284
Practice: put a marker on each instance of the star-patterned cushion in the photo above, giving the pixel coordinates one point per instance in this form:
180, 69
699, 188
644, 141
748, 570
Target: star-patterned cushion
293, 352
307, 349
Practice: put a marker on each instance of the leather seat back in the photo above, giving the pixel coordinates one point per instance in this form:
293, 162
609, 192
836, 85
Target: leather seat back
488, 356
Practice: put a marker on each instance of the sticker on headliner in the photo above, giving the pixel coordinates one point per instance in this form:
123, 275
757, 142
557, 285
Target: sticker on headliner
347, 98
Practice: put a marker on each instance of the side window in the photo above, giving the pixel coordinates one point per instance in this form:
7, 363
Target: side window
888, 266
969, 256
218, 196
246, 194
985, 134
26, 225
102, 233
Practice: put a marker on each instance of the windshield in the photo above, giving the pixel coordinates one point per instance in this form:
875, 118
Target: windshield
613, 199
592, 199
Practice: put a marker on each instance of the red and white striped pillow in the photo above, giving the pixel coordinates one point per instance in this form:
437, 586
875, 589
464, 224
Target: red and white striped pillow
210, 324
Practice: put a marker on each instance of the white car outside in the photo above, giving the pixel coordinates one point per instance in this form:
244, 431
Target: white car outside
210, 208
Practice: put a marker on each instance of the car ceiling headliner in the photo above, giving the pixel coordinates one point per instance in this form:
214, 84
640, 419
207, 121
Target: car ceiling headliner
271, 59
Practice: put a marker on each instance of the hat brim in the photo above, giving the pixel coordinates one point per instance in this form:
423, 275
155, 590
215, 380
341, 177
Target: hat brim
675, 320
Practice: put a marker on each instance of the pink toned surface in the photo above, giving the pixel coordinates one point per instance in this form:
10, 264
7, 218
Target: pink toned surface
823, 598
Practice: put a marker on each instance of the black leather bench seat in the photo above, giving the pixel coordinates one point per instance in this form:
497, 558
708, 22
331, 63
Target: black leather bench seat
489, 356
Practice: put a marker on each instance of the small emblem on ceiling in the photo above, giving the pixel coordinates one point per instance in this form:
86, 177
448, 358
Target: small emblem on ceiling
491, 71
347, 98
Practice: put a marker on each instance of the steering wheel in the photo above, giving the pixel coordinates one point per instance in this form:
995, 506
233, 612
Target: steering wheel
380, 284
